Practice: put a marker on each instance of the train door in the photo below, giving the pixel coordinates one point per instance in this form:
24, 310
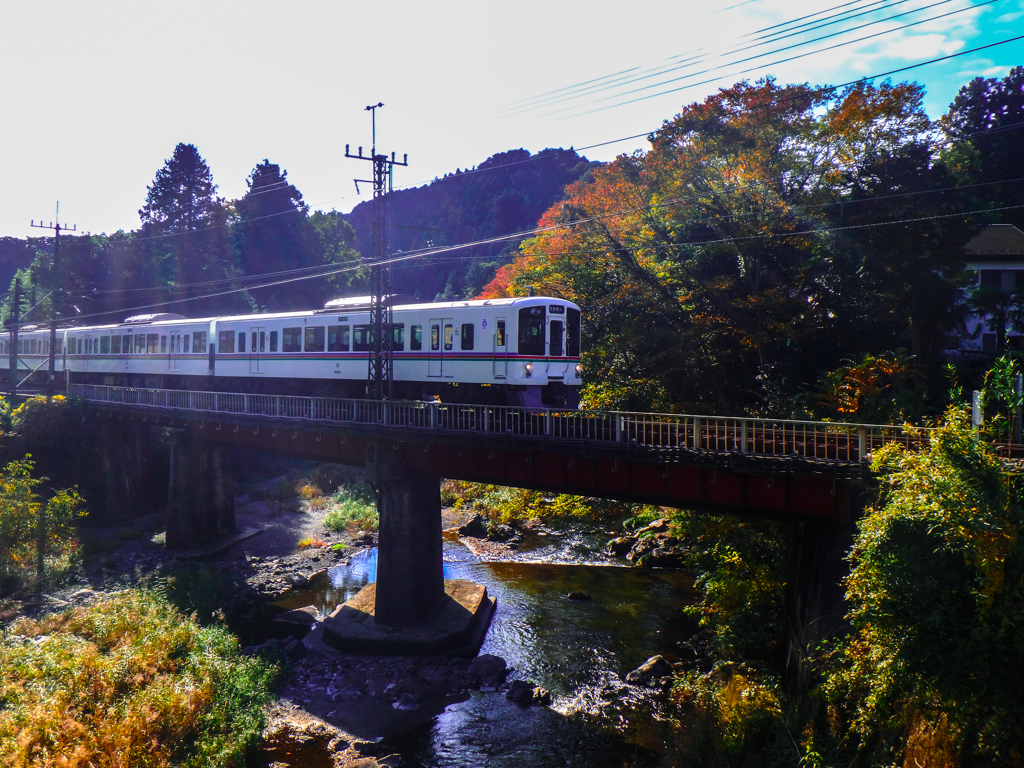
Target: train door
500, 349
442, 334
173, 350
556, 346
257, 348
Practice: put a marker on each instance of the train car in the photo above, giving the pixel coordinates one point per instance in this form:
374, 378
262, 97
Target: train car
518, 351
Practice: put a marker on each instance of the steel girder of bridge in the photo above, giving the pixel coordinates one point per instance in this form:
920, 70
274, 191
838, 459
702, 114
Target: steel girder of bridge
792, 487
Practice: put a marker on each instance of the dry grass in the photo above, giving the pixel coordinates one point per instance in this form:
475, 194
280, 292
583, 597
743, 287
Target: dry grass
127, 682
311, 543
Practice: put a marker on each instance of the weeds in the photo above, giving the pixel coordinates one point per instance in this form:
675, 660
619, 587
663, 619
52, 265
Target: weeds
128, 681
311, 543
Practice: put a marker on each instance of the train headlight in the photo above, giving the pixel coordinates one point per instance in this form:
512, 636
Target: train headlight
529, 369
579, 370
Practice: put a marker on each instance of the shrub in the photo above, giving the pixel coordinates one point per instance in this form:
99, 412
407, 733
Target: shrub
936, 596
311, 543
33, 531
350, 515
128, 681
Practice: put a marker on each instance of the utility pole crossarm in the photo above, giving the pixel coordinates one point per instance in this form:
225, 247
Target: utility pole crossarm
51, 381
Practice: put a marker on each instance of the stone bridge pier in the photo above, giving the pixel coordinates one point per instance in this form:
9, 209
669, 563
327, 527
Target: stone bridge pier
200, 505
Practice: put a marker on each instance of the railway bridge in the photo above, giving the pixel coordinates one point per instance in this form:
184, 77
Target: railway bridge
807, 472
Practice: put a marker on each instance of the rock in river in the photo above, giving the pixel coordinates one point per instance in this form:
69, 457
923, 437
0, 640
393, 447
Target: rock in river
653, 669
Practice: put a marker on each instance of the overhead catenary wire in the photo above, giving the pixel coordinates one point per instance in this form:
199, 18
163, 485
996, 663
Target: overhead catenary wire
403, 258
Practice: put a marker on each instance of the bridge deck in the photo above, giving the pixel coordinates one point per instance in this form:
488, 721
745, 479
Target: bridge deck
801, 447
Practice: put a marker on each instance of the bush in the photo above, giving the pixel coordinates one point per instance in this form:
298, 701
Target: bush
33, 532
128, 681
936, 595
353, 508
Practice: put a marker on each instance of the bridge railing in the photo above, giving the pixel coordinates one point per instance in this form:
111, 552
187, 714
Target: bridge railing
813, 440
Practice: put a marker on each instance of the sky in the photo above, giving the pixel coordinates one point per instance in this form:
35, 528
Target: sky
94, 96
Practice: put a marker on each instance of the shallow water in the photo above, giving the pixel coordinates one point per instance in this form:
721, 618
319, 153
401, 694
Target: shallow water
580, 650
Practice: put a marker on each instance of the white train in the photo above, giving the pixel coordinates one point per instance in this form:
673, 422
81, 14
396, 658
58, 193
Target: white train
521, 351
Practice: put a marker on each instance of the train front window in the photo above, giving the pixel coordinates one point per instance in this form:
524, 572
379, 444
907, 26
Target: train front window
572, 332
555, 349
531, 331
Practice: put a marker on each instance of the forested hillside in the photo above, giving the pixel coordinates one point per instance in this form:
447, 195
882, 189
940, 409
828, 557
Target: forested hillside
505, 194
786, 250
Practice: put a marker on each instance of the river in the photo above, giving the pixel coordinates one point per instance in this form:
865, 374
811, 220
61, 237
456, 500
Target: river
579, 649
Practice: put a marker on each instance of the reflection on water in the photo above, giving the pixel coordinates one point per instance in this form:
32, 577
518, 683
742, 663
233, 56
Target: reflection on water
580, 650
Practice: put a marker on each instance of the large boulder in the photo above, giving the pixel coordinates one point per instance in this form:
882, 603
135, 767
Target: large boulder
476, 527
488, 670
500, 532
621, 546
655, 668
525, 692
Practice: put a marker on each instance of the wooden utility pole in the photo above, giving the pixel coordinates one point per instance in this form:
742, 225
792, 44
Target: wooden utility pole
51, 381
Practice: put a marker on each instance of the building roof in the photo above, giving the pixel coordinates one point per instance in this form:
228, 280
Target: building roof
998, 240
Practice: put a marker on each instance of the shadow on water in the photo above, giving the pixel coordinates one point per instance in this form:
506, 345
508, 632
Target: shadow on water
579, 649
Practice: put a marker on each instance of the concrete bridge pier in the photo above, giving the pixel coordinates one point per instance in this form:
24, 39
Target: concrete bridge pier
200, 506
411, 608
410, 570
815, 604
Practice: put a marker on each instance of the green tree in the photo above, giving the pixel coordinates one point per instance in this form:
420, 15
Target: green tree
184, 233
985, 127
936, 608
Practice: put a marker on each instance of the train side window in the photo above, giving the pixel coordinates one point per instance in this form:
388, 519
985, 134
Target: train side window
34, 347
185, 339
435, 337
337, 338
241, 341
467, 336
140, 343
555, 345
315, 338
126, 344
449, 334
362, 338
572, 332
199, 341
292, 341
105, 345
163, 343
225, 342
416, 337
60, 346
499, 334
115, 344
152, 343
273, 341
398, 337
